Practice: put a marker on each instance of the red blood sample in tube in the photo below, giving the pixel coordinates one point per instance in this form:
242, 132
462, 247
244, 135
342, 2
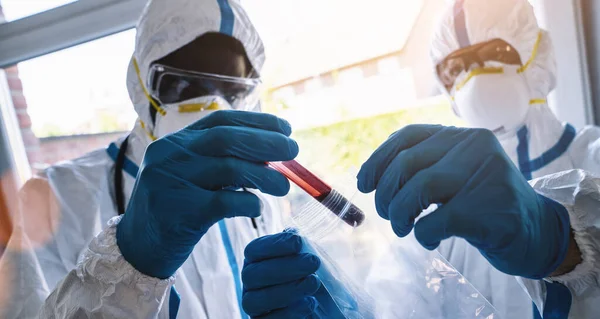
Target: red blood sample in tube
319, 190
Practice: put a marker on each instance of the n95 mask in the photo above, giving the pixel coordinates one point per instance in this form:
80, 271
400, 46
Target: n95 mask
180, 115
493, 98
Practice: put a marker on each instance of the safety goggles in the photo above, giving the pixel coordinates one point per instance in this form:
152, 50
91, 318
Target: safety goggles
473, 60
170, 85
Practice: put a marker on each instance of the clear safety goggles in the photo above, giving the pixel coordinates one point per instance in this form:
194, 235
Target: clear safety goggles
473, 60
170, 85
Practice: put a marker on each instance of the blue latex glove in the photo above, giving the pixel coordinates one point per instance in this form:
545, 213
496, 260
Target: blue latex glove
186, 180
485, 198
279, 280
284, 278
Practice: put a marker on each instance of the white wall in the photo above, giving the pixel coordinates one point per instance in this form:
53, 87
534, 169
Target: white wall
570, 101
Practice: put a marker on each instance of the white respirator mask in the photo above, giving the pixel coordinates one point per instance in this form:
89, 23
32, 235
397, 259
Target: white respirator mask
179, 115
494, 98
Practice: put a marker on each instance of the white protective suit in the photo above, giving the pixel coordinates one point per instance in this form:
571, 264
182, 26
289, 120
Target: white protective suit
566, 163
75, 260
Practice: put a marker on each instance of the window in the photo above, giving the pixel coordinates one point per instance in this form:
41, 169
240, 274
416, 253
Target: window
313, 84
370, 69
366, 92
18, 9
84, 84
351, 76
76, 99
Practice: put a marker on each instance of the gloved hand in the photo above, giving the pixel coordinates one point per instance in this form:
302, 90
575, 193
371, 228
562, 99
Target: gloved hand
484, 197
186, 183
279, 281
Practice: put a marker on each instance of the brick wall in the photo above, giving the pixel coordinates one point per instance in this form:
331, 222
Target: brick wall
32, 145
61, 148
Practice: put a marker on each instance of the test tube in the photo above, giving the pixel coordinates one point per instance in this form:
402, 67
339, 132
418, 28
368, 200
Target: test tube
319, 190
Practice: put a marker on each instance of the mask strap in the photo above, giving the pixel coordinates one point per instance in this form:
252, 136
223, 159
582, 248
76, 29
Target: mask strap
537, 101
158, 109
531, 102
524, 68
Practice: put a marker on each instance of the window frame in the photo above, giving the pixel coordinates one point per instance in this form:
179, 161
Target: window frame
565, 22
50, 31
64, 27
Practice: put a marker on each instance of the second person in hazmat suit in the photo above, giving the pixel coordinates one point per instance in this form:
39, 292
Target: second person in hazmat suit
498, 67
192, 57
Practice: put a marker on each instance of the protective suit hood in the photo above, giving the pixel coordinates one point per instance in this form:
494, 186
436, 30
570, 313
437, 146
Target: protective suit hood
167, 25
468, 22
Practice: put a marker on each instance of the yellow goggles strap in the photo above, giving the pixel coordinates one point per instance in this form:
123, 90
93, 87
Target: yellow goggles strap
534, 53
154, 104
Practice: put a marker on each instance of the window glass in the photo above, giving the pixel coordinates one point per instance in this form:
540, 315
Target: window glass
344, 81
75, 100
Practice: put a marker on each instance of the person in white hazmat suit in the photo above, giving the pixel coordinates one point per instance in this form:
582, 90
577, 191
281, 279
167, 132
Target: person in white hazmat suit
72, 254
498, 67
520, 191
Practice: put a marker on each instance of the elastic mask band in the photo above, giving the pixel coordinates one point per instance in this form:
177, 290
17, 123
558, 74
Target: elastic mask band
150, 135
158, 109
476, 72
537, 101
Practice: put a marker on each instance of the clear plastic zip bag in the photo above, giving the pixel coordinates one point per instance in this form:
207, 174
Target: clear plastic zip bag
368, 272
